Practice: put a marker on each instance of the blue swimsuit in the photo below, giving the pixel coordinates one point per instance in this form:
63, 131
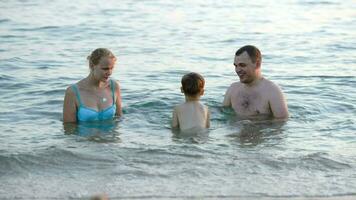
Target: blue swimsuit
86, 114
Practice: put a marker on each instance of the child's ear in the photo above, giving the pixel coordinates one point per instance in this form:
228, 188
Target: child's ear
202, 92
181, 90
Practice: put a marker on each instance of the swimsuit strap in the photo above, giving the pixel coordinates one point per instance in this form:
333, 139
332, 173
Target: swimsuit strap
112, 86
76, 91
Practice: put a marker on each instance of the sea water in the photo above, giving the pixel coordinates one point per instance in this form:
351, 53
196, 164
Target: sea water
308, 49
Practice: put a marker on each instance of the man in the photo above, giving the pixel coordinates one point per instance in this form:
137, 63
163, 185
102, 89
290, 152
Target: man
254, 95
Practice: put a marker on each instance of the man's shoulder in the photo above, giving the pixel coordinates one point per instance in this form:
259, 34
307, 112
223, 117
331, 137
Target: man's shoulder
235, 86
268, 84
270, 88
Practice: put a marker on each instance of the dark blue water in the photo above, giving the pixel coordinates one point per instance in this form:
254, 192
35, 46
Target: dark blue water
308, 49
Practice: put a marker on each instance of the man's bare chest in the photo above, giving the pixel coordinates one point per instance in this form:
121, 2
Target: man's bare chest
249, 103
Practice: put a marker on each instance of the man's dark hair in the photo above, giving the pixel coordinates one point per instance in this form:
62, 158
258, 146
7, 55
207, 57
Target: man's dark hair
192, 83
252, 51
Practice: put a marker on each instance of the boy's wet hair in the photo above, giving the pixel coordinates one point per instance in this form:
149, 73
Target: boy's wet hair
192, 83
97, 54
252, 51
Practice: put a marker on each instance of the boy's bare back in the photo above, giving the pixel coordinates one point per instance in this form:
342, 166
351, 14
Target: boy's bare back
191, 115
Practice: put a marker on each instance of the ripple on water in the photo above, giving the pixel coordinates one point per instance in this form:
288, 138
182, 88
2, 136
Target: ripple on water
4, 77
3, 21
52, 158
41, 28
321, 161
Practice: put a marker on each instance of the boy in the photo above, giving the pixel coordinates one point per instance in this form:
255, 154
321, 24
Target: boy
191, 115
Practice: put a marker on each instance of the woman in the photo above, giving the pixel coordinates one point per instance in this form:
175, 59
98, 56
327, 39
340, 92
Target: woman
95, 97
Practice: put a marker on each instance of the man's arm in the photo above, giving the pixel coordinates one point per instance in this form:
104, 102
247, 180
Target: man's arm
227, 98
278, 103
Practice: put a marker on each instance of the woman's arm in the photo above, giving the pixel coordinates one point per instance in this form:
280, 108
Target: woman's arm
118, 99
69, 106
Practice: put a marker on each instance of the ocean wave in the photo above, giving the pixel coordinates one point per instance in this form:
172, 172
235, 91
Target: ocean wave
51, 158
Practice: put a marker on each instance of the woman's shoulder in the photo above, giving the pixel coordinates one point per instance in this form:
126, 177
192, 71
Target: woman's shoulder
116, 84
70, 90
75, 86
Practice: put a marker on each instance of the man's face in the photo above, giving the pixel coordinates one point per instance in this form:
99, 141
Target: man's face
245, 68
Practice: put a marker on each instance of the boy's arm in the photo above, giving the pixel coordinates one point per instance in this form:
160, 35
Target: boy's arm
175, 122
208, 119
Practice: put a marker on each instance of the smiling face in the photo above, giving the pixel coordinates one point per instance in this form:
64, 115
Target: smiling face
103, 70
245, 68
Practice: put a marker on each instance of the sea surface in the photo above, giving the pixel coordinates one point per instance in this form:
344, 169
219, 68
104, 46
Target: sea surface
309, 50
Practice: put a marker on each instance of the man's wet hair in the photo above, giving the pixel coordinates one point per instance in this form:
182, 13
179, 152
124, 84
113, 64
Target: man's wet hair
252, 51
192, 84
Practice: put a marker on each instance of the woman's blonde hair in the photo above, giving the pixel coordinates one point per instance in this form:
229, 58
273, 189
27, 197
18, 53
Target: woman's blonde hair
97, 54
